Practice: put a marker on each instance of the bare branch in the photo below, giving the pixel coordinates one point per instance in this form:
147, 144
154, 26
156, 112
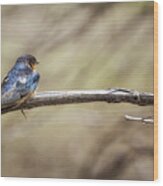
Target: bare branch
84, 96
144, 120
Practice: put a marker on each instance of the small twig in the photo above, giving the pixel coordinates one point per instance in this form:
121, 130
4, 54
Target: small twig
144, 120
115, 95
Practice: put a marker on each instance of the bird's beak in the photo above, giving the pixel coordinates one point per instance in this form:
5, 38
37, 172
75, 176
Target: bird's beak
37, 62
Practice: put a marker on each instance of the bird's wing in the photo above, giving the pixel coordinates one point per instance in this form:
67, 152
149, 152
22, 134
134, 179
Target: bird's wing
15, 90
27, 84
8, 93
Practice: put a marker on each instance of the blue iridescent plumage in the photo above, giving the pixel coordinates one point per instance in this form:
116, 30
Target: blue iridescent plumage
20, 82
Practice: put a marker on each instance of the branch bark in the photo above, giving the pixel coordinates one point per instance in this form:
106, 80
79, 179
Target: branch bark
84, 96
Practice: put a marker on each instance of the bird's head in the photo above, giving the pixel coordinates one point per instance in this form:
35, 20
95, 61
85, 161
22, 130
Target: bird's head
27, 60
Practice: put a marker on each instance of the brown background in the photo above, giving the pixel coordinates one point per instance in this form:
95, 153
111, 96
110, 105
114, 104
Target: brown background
80, 46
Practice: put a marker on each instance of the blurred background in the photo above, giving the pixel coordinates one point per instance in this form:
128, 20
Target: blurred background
80, 46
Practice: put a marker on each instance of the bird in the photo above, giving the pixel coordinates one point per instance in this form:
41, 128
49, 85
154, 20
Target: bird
20, 83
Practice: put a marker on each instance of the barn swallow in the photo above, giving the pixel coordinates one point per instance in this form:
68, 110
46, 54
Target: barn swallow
20, 83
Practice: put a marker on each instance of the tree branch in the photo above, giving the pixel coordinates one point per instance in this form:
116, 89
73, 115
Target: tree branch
148, 120
84, 96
